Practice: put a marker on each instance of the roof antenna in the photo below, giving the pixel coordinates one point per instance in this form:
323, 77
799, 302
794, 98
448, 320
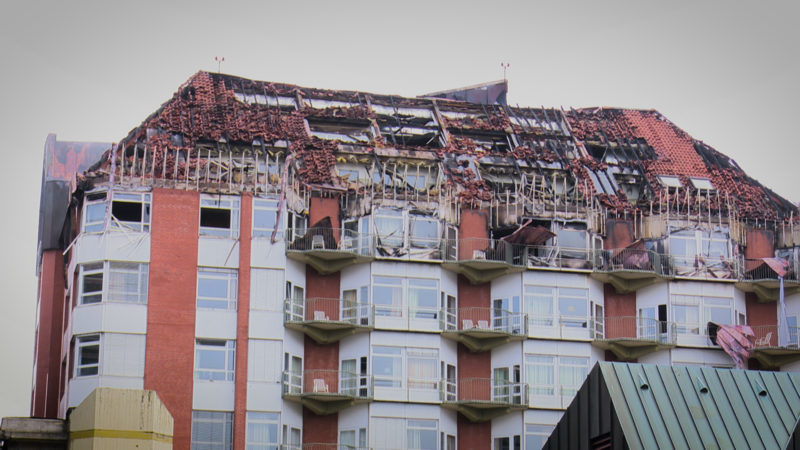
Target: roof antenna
219, 63
505, 67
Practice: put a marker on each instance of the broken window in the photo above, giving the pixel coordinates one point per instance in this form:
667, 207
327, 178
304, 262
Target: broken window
572, 240
348, 132
424, 231
406, 176
265, 214
87, 355
408, 126
94, 212
130, 211
219, 216
262, 97
296, 225
669, 181
412, 234
113, 281
216, 288
701, 249
486, 140
702, 184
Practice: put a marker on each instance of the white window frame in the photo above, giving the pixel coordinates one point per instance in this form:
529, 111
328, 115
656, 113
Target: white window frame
703, 241
556, 319
406, 239
97, 225
228, 276
257, 423
359, 440
101, 203
265, 206
214, 417
291, 437
229, 203
702, 304
422, 425
403, 308
107, 271
82, 343
539, 431
217, 374
406, 356
561, 393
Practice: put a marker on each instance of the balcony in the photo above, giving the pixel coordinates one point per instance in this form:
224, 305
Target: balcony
481, 329
327, 391
327, 320
483, 399
329, 250
761, 277
704, 267
630, 269
768, 352
562, 258
630, 338
482, 260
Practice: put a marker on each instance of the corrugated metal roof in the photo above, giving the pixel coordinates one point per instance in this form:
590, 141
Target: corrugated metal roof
703, 407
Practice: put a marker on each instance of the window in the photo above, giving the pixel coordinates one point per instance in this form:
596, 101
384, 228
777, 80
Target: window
292, 438
422, 295
292, 374
402, 233
390, 365
212, 430
87, 355
669, 181
571, 304
265, 214
219, 216
691, 312
262, 431
572, 242
113, 281
216, 288
352, 439
702, 183
536, 435
422, 434
214, 359
685, 245
550, 375
129, 211
507, 443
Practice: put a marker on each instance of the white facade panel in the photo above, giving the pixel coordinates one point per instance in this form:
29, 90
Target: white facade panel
110, 317
213, 323
213, 395
507, 425
354, 346
267, 289
217, 252
264, 360
122, 354
265, 324
114, 246
265, 254
697, 356
263, 396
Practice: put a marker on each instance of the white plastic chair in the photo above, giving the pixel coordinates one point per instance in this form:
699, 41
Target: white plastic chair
483, 324
320, 385
764, 341
317, 241
466, 324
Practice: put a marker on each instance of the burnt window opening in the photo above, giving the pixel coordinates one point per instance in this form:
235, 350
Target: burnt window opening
408, 126
488, 141
348, 132
127, 211
219, 217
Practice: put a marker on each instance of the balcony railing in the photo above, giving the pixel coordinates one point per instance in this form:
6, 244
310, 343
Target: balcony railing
556, 396
705, 267
327, 319
631, 260
481, 260
632, 337
758, 276
544, 256
560, 326
481, 399
484, 328
768, 350
327, 391
329, 250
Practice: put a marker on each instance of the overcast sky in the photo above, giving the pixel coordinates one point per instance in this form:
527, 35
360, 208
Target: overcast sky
726, 73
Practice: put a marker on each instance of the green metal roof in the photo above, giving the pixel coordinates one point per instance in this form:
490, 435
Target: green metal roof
702, 407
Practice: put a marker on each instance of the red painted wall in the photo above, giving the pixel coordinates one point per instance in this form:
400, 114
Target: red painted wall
474, 224
242, 322
473, 436
169, 356
322, 429
760, 244
619, 234
323, 287
619, 305
45, 396
760, 313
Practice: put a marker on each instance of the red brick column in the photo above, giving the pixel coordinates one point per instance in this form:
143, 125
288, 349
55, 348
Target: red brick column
474, 224
45, 398
169, 351
242, 323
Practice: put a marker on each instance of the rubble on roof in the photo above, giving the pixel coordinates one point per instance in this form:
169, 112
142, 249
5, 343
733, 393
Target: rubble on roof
239, 132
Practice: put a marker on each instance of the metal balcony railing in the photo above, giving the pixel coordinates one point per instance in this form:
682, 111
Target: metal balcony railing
757, 270
479, 320
706, 267
332, 240
320, 383
766, 336
637, 329
332, 310
485, 390
485, 251
544, 256
632, 260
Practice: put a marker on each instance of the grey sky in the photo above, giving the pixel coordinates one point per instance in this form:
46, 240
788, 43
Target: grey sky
727, 73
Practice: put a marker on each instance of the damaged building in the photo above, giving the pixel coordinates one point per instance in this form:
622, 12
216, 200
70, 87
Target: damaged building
291, 267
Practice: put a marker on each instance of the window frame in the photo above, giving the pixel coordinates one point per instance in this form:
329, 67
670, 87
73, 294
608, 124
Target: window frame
701, 305
83, 342
224, 203
106, 269
265, 205
403, 359
557, 364
231, 276
214, 417
401, 302
556, 319
225, 346
144, 199
255, 419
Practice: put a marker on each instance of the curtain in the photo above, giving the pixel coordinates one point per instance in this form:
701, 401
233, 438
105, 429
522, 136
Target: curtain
539, 374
